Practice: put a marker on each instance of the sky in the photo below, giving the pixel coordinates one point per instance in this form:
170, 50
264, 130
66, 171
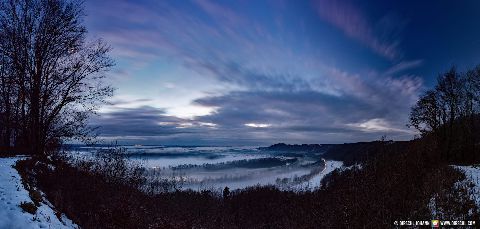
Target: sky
204, 72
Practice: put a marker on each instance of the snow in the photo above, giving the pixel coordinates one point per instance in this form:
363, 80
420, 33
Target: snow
357, 166
329, 167
12, 193
315, 182
432, 206
472, 174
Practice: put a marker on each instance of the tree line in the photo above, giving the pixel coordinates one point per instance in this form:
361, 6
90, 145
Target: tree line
51, 77
449, 114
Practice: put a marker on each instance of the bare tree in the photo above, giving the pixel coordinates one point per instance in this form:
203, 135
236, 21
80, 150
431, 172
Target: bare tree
449, 113
58, 76
426, 115
6, 92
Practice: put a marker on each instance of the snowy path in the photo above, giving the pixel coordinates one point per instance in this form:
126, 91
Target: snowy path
12, 193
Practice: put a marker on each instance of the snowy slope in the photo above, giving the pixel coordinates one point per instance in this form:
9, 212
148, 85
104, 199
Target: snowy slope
329, 167
473, 174
314, 183
12, 193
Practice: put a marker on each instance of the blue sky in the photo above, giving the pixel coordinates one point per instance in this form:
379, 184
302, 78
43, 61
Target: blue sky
205, 72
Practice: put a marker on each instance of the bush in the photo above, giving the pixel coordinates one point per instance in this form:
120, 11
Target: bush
28, 207
33, 193
36, 197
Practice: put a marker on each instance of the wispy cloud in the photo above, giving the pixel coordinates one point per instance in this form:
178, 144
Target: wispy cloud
354, 24
378, 125
270, 88
220, 13
403, 66
146, 121
363, 106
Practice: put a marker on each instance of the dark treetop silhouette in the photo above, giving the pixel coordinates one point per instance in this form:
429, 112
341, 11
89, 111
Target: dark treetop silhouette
449, 113
50, 76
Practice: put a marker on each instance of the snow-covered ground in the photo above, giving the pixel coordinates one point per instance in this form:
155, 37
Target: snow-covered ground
315, 182
329, 167
473, 174
12, 193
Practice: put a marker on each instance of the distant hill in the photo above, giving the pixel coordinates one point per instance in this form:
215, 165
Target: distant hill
349, 153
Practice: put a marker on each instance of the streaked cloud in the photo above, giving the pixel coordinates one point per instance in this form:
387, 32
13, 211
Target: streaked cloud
257, 125
378, 125
353, 23
256, 72
403, 66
